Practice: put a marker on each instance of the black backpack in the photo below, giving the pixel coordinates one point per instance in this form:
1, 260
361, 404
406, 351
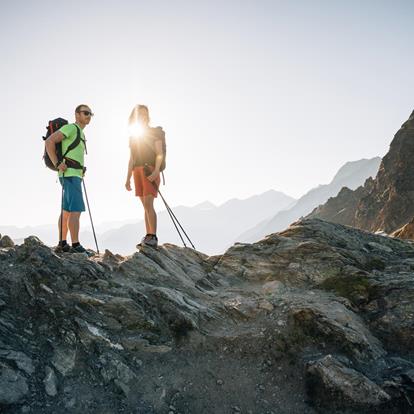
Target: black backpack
53, 126
159, 133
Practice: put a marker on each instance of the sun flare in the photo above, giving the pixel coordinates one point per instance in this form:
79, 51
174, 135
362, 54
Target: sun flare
136, 129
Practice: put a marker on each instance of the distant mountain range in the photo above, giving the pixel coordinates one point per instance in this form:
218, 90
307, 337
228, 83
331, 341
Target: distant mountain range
215, 228
351, 175
211, 228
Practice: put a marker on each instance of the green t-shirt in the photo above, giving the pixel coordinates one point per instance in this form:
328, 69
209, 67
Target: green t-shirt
70, 132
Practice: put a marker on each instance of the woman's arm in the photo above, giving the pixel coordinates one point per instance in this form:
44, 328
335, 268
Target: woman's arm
129, 173
158, 160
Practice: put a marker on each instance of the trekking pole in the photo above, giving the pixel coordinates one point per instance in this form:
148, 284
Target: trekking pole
90, 215
175, 225
176, 219
61, 211
173, 217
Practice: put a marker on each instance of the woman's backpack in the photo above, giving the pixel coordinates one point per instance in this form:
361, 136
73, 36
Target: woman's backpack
158, 132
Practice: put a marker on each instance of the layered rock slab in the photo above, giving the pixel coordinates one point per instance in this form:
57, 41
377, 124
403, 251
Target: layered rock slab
176, 328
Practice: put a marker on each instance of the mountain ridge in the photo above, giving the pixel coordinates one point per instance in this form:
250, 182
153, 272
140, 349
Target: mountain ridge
385, 203
351, 174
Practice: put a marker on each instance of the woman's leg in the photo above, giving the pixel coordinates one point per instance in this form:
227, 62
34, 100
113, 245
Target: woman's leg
150, 214
147, 226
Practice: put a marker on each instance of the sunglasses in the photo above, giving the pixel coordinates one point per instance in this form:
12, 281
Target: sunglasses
87, 113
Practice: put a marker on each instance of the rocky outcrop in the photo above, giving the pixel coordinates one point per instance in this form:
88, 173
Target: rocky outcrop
6, 241
318, 318
329, 377
341, 208
350, 176
405, 232
386, 203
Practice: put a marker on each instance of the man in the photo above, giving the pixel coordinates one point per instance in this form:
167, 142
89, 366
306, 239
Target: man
71, 170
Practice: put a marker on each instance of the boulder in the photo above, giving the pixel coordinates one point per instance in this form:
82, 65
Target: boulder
335, 386
13, 386
6, 241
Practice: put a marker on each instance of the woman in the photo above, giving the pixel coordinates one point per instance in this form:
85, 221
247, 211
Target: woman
144, 164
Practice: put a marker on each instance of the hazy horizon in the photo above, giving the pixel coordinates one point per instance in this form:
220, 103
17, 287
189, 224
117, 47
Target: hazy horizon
252, 95
161, 208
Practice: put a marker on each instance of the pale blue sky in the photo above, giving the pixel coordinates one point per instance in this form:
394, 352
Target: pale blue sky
253, 95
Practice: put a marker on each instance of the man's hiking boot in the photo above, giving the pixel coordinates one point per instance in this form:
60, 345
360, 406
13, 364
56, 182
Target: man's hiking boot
80, 249
65, 248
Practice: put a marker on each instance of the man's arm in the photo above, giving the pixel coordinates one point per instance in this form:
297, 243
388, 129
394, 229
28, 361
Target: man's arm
50, 144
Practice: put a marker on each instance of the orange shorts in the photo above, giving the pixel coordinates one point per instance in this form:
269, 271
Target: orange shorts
143, 186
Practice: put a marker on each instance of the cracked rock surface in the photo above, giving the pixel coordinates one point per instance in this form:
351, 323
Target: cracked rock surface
316, 319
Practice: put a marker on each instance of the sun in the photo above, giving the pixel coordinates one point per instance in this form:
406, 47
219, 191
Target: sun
136, 130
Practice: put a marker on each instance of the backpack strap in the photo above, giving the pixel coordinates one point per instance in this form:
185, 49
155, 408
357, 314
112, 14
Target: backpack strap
152, 149
69, 162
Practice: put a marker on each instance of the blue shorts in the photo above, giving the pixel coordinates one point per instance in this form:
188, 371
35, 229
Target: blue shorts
72, 194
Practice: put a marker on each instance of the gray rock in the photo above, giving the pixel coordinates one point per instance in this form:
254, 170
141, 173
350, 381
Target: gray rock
70, 403
134, 343
333, 384
64, 360
22, 361
32, 242
50, 382
128, 311
379, 246
6, 241
118, 372
13, 386
409, 375
142, 326
333, 322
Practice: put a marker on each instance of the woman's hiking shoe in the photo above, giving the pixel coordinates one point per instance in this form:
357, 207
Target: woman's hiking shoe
141, 243
149, 240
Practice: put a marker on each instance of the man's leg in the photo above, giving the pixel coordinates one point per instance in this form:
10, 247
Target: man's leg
64, 227
73, 224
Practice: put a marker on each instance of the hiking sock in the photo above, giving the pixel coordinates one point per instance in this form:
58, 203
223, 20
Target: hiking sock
63, 243
75, 244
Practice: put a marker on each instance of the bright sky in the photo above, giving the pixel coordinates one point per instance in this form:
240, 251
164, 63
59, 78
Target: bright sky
253, 94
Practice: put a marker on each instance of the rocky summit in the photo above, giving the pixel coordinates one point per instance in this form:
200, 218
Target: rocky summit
316, 319
383, 204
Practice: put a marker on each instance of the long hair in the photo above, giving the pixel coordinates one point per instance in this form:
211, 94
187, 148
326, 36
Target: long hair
139, 113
